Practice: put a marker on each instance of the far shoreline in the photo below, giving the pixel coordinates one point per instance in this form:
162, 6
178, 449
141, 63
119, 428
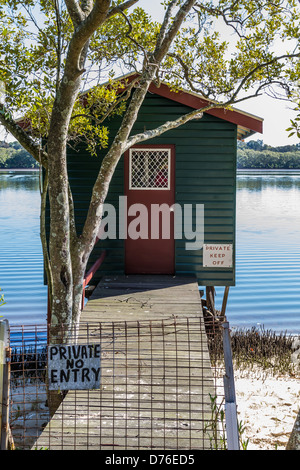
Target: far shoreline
268, 170
239, 170
6, 170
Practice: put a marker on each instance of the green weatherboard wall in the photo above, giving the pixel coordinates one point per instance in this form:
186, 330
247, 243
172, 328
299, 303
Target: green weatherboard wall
205, 174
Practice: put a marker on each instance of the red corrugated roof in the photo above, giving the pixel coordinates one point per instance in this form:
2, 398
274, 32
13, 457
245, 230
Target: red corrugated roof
248, 124
240, 118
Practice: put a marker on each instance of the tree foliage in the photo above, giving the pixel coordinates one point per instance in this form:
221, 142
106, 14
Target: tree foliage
251, 154
1, 299
52, 51
294, 128
12, 155
224, 48
256, 155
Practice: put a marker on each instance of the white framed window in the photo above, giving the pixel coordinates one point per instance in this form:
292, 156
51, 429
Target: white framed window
149, 168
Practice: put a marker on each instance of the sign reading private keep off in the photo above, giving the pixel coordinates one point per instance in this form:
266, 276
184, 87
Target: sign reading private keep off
217, 255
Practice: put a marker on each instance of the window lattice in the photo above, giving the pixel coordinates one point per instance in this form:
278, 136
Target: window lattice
149, 168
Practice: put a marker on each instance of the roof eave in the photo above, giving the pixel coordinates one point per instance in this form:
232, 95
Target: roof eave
248, 124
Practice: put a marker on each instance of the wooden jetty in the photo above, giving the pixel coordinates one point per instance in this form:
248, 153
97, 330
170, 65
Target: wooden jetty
143, 297
156, 378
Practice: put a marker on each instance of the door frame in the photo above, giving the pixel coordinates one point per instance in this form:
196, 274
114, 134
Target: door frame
171, 189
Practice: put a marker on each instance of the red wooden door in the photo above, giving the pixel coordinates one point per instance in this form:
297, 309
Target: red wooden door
150, 190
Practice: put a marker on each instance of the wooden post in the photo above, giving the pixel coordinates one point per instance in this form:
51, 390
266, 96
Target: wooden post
294, 440
4, 384
210, 299
232, 430
224, 304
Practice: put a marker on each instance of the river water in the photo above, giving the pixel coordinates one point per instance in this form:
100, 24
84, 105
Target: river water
21, 260
267, 290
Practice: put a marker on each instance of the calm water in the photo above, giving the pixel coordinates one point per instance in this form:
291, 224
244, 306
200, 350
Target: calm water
21, 263
267, 288
267, 291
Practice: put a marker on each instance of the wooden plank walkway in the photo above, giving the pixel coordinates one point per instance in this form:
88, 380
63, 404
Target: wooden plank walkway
127, 298
156, 378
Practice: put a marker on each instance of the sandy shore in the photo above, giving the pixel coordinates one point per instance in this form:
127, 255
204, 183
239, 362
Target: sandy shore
267, 407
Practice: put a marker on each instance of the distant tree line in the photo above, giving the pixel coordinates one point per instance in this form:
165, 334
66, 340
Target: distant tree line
257, 155
12, 155
253, 154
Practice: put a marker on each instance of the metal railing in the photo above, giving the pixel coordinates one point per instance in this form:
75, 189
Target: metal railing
4, 383
90, 274
161, 388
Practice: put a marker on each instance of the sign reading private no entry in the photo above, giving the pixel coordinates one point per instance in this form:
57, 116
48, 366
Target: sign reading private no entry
74, 366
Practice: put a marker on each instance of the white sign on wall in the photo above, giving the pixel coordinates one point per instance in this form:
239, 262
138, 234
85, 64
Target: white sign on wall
217, 255
74, 366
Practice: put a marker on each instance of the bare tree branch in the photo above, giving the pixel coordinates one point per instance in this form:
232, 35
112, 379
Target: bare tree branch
234, 21
168, 37
25, 139
165, 23
58, 46
110, 161
130, 37
124, 6
75, 12
150, 134
43, 236
186, 74
258, 68
82, 35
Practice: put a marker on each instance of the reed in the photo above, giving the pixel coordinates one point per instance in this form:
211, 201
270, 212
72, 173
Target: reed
257, 347
29, 362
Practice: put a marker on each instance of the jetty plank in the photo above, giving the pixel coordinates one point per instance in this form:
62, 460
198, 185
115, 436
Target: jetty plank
156, 378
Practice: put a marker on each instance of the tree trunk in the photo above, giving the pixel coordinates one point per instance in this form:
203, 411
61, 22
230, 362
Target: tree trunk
68, 253
68, 257
59, 239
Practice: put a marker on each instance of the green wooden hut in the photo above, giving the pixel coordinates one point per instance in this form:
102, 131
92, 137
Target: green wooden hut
199, 164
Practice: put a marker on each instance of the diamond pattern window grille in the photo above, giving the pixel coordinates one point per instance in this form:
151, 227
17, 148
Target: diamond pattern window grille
149, 169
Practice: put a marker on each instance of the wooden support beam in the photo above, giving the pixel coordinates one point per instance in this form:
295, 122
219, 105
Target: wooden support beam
224, 304
210, 299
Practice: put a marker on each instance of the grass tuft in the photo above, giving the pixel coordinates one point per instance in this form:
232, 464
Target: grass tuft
257, 347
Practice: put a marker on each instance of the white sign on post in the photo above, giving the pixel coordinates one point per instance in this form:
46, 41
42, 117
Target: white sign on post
217, 255
74, 366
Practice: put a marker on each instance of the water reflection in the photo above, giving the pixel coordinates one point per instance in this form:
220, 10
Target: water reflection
267, 290
21, 262
268, 211
19, 181
258, 183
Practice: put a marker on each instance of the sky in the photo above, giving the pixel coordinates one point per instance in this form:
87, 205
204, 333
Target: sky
275, 113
